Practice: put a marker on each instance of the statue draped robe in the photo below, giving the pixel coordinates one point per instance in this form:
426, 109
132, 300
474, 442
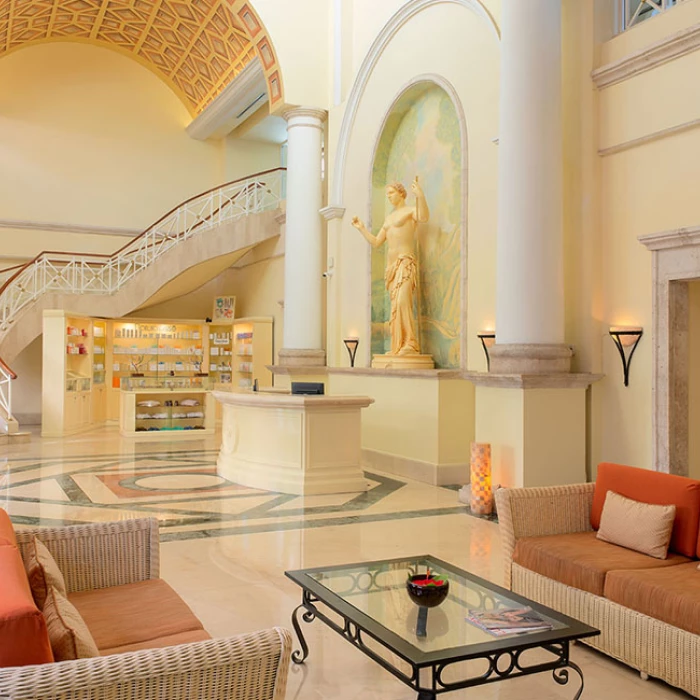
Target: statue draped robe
401, 278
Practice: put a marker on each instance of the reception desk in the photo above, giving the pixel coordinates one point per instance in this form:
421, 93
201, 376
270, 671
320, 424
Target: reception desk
305, 445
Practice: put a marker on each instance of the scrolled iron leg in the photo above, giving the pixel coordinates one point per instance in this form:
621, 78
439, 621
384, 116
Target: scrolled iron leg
561, 676
298, 657
426, 695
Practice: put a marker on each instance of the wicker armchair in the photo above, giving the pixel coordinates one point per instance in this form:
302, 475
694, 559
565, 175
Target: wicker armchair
245, 667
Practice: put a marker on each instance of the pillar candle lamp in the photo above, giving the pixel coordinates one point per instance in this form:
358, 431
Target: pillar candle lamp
481, 493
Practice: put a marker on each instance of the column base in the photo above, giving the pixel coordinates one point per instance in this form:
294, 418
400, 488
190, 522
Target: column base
403, 362
530, 359
300, 357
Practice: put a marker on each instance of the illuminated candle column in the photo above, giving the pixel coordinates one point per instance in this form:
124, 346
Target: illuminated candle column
303, 257
530, 281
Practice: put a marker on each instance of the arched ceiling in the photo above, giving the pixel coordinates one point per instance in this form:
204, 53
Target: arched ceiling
197, 46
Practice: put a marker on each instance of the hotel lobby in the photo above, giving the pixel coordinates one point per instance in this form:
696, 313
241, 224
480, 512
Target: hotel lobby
471, 225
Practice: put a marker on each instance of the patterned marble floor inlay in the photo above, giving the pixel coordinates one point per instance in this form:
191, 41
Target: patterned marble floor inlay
183, 490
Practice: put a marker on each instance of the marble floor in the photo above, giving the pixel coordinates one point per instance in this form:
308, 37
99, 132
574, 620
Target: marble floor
218, 536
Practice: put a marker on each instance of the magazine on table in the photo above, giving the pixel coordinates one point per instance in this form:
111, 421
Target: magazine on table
509, 621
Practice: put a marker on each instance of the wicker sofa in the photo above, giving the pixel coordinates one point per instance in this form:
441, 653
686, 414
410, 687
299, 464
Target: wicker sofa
552, 556
96, 558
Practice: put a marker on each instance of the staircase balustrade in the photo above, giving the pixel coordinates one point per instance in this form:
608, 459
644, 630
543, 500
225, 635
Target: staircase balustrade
79, 273
6, 378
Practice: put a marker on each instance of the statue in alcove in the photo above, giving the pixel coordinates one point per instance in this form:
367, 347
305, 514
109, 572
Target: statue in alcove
401, 274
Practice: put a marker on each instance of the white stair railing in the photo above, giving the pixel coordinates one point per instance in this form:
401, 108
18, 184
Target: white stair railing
636, 11
6, 378
74, 273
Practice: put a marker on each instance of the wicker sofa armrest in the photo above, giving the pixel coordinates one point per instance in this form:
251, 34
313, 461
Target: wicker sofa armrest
100, 555
245, 667
535, 512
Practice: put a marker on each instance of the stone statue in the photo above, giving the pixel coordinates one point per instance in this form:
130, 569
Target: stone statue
401, 274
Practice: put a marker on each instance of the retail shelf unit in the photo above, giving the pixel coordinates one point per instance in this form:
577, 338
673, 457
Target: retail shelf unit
252, 352
154, 348
99, 370
165, 413
67, 373
221, 353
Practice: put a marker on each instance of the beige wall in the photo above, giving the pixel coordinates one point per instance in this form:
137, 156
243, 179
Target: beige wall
26, 389
645, 188
244, 158
90, 137
300, 33
694, 379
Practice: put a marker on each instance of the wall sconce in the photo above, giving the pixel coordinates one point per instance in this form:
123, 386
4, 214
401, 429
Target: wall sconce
487, 338
351, 345
626, 337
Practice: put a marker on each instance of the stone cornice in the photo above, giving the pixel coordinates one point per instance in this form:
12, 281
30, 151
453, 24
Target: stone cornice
668, 49
305, 112
330, 213
665, 240
408, 373
67, 228
562, 380
225, 113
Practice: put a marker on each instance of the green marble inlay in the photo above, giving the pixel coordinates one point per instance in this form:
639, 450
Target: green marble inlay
422, 137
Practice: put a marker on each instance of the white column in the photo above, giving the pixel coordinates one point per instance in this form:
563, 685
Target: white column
303, 258
530, 275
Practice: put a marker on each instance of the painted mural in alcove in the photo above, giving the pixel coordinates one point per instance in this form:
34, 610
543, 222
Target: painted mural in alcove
421, 137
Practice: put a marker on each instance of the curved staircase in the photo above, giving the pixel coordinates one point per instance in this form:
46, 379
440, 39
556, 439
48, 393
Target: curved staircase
217, 226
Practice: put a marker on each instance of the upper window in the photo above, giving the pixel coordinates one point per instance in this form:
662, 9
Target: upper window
636, 11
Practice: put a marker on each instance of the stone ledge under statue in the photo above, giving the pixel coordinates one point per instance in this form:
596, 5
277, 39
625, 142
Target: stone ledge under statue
416, 361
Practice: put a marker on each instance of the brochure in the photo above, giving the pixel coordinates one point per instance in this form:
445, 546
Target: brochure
509, 621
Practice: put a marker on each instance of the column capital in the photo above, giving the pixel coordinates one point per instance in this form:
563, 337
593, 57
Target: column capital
307, 113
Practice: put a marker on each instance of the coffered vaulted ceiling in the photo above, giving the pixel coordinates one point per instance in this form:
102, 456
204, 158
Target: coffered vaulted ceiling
197, 46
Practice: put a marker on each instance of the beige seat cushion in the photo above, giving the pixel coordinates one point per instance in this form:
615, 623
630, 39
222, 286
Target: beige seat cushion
70, 638
643, 527
671, 594
581, 560
169, 641
43, 572
137, 612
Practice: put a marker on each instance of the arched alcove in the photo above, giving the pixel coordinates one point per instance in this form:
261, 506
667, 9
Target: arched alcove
423, 135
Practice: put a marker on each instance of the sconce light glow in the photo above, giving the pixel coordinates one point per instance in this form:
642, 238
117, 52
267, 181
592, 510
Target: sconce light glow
626, 339
487, 338
351, 344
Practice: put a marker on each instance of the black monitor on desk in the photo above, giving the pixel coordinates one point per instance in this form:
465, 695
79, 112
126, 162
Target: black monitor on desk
308, 388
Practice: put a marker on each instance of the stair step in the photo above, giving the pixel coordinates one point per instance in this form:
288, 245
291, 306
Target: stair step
15, 438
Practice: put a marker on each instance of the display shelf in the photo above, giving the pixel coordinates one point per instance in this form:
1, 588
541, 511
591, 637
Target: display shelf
220, 352
252, 352
155, 348
166, 416
67, 377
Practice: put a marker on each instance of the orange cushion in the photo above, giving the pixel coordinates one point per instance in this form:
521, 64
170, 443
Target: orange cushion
169, 641
134, 613
671, 595
581, 560
658, 488
7, 531
23, 636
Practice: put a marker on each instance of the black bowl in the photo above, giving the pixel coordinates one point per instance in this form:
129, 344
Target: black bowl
426, 596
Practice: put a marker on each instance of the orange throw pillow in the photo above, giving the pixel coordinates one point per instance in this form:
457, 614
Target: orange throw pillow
43, 572
7, 531
23, 636
69, 635
643, 527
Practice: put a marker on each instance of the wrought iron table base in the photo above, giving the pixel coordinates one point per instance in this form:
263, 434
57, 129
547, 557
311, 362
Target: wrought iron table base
353, 633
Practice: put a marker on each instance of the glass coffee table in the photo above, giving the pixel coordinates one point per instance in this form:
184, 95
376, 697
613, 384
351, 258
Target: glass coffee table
432, 650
